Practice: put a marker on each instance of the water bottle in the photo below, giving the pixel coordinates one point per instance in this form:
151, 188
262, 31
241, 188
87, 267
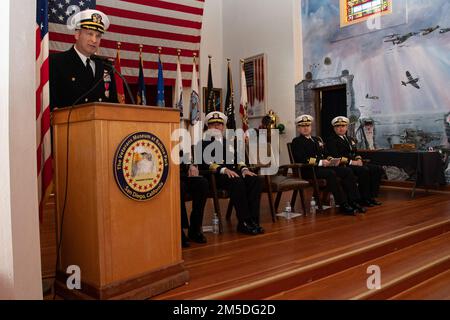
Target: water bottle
332, 202
288, 210
312, 208
215, 224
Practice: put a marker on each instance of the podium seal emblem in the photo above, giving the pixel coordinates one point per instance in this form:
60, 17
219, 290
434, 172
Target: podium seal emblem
141, 166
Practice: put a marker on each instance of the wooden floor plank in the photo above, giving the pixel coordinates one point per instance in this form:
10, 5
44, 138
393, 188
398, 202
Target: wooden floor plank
436, 288
230, 260
352, 283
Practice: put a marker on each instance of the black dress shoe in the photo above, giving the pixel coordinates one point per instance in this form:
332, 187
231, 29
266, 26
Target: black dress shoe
184, 240
258, 228
247, 228
347, 209
375, 202
358, 208
366, 203
197, 237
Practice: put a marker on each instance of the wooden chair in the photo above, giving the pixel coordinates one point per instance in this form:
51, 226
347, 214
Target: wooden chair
279, 183
282, 182
318, 185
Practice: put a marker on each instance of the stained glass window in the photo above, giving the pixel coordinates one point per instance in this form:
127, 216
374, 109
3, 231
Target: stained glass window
355, 11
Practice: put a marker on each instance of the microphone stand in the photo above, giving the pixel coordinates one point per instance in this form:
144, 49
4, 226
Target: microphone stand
126, 84
109, 65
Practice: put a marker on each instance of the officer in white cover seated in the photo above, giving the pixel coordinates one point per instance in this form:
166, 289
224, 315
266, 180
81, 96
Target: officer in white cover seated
340, 145
311, 150
242, 184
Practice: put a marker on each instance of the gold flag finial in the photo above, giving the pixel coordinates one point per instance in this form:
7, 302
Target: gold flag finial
179, 52
209, 56
159, 50
141, 46
119, 44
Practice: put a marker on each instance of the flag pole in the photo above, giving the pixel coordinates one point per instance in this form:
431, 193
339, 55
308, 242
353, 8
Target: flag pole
229, 101
159, 52
160, 99
119, 82
141, 98
210, 90
243, 106
181, 111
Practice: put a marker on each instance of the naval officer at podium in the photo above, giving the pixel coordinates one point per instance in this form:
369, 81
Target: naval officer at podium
73, 73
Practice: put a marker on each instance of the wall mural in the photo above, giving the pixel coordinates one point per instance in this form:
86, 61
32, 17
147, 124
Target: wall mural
400, 65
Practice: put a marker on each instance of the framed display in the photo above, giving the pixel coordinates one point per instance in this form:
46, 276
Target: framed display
255, 74
217, 98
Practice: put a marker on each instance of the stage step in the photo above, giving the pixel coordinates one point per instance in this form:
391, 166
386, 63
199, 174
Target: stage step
400, 271
436, 288
273, 285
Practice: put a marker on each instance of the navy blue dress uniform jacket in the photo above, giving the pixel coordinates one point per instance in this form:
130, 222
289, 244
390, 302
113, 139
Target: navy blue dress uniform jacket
69, 80
217, 166
342, 148
309, 151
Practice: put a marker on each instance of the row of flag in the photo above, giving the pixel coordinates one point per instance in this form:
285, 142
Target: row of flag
150, 23
195, 112
172, 23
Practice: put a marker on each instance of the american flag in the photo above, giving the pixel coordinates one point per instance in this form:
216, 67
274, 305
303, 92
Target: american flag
170, 24
243, 107
254, 73
43, 143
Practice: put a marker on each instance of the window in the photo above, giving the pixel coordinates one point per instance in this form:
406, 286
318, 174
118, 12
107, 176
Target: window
355, 11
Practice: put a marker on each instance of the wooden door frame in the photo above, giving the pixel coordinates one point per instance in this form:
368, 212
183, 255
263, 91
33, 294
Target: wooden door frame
318, 104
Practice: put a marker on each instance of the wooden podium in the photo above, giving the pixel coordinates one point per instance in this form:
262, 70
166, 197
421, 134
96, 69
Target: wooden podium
125, 248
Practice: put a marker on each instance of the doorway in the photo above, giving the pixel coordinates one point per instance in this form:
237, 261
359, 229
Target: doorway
330, 103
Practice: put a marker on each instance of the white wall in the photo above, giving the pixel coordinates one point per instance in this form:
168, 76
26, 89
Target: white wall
212, 43
20, 264
6, 272
249, 28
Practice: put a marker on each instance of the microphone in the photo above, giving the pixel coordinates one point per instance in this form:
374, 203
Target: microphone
103, 59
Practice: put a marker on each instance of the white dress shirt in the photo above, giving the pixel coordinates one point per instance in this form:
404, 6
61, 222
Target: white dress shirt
84, 58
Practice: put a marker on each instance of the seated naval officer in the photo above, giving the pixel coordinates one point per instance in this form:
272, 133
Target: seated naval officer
243, 185
340, 145
73, 73
311, 150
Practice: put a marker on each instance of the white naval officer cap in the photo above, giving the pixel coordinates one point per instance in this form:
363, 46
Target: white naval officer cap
92, 20
304, 120
340, 121
216, 117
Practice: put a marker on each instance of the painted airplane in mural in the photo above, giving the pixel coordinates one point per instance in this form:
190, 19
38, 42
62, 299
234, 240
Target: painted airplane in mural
400, 39
412, 81
392, 35
372, 97
444, 30
429, 30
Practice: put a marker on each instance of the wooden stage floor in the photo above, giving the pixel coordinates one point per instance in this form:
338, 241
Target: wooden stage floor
326, 256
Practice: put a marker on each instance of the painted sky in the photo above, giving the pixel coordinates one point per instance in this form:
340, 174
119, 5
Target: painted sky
379, 67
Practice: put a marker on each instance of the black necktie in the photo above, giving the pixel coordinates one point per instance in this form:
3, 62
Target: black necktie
89, 69
348, 142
